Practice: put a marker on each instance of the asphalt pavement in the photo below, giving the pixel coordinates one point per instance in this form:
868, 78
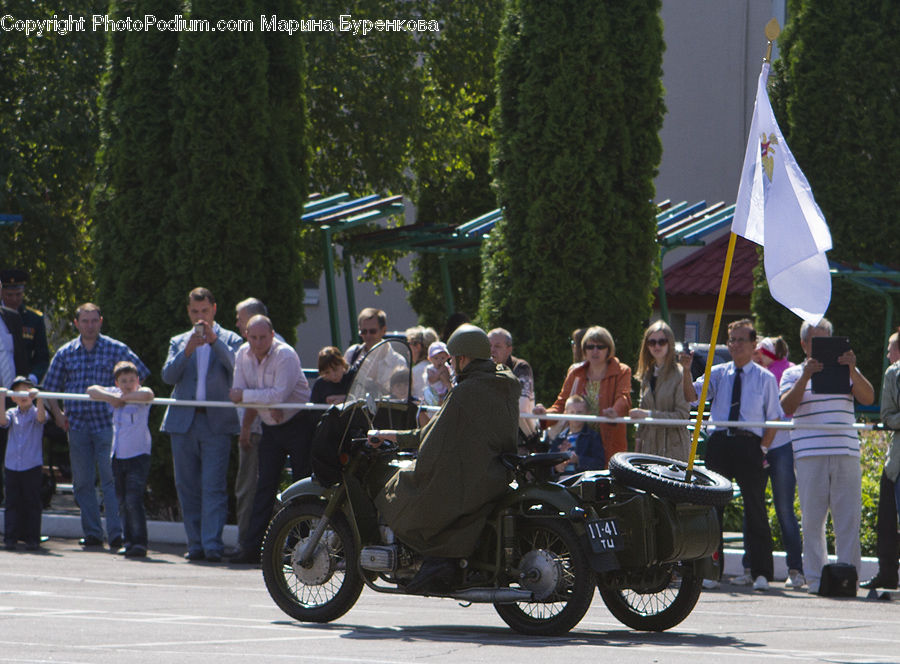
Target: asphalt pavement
75, 606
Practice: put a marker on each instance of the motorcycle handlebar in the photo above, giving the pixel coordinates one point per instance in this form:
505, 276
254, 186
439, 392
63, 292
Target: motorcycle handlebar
387, 447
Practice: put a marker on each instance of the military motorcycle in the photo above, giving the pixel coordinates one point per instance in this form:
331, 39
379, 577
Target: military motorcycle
638, 532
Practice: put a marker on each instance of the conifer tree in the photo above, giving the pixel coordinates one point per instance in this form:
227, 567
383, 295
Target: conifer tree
578, 113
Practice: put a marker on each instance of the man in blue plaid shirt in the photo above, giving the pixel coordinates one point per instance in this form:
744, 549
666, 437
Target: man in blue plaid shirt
89, 360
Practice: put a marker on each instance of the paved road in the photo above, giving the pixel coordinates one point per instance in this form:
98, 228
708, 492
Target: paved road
68, 605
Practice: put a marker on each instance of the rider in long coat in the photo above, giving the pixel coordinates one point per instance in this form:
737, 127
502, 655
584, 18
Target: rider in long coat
439, 505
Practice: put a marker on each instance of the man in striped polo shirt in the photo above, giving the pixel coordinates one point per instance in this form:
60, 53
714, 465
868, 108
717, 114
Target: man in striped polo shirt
827, 461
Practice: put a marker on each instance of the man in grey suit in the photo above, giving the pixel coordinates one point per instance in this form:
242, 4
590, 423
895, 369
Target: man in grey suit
200, 365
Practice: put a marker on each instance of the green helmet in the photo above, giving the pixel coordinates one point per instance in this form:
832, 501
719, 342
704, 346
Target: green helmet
470, 341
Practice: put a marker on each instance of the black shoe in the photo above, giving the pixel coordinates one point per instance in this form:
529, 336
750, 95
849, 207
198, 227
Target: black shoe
136, 552
9, 546
880, 581
432, 575
32, 546
115, 544
194, 556
250, 557
214, 557
90, 541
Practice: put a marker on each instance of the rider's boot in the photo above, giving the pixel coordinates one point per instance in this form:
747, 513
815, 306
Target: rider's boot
434, 573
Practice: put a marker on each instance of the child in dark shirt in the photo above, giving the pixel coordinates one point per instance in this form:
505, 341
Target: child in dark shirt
584, 444
22, 465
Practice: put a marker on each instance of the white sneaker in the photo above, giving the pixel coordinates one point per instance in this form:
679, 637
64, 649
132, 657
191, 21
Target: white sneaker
813, 588
744, 579
710, 584
761, 583
795, 580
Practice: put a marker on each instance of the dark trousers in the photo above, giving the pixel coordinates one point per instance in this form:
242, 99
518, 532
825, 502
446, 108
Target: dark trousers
279, 441
740, 459
131, 481
886, 529
23, 506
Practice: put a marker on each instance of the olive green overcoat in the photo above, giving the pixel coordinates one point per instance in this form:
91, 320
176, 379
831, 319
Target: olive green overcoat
439, 504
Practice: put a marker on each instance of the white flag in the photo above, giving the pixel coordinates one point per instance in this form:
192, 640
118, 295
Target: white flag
775, 208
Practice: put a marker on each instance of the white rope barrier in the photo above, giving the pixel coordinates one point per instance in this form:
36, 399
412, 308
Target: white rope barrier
162, 401
650, 421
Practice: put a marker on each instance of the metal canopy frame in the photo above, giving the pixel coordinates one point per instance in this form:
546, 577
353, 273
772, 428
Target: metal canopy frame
678, 224
681, 225
338, 214
873, 277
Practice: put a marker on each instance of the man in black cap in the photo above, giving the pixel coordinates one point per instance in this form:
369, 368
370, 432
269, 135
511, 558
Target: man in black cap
34, 331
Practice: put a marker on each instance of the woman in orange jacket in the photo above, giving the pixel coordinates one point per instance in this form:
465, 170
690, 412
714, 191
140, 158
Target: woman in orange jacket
604, 382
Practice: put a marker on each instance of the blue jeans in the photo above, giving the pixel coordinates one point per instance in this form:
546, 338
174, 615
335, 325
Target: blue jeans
131, 480
200, 458
89, 453
784, 488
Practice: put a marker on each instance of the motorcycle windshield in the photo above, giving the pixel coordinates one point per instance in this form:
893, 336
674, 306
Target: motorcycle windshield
383, 376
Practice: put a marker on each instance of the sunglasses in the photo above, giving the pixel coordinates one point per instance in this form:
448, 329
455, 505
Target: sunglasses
363, 332
658, 342
595, 346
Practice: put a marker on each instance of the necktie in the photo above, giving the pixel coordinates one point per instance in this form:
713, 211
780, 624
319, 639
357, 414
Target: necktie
734, 412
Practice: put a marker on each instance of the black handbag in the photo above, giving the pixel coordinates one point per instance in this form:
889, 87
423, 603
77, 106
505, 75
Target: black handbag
838, 580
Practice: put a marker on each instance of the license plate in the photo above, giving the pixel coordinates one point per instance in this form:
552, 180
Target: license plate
605, 535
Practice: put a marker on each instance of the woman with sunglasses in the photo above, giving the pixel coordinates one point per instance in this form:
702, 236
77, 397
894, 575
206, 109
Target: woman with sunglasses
661, 395
604, 382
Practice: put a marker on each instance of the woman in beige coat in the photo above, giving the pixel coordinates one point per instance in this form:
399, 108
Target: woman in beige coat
662, 396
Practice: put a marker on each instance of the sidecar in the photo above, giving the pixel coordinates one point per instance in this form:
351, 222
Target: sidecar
655, 535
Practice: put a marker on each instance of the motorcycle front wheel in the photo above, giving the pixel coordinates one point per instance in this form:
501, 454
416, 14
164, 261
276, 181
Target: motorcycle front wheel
326, 586
656, 609
556, 569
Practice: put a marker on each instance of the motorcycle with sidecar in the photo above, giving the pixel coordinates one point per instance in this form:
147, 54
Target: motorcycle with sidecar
639, 532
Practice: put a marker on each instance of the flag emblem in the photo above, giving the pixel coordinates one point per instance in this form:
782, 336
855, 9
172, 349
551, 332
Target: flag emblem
766, 151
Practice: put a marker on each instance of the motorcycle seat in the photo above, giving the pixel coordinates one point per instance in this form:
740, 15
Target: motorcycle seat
533, 461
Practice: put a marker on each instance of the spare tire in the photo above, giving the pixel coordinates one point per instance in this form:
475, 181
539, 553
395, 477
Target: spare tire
666, 478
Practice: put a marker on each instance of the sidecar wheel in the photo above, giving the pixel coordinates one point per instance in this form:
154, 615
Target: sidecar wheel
665, 477
656, 611
329, 584
560, 576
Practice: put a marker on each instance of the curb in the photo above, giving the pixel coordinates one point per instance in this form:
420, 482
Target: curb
68, 526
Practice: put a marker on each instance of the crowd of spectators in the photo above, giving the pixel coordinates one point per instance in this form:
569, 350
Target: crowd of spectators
109, 441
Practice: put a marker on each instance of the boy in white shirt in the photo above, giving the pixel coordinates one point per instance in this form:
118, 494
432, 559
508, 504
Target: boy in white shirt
130, 452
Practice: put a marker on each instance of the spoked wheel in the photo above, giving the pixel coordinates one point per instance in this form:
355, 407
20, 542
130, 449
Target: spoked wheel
666, 478
658, 608
327, 585
556, 570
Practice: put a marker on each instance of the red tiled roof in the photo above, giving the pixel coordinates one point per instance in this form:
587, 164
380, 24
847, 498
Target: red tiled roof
700, 274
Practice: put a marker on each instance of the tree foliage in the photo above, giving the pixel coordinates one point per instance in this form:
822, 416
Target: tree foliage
48, 136
451, 164
835, 95
578, 114
202, 176
363, 96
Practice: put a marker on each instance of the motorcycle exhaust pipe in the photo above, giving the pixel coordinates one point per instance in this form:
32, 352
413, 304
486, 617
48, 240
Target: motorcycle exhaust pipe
493, 595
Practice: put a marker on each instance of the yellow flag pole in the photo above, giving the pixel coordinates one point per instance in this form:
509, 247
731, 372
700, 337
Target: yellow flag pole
772, 32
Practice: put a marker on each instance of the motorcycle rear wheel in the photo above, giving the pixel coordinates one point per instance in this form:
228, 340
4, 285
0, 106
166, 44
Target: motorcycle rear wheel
328, 585
665, 478
655, 611
551, 543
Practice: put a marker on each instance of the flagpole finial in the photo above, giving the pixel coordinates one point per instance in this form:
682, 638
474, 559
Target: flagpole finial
772, 32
